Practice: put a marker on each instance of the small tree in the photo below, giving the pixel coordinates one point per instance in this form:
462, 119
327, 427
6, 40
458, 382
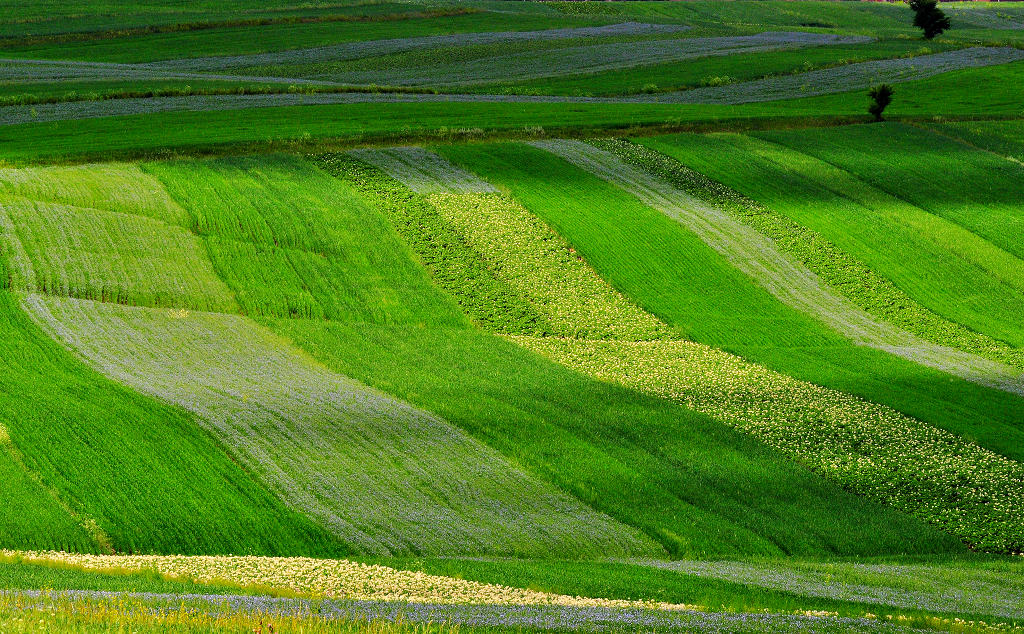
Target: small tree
881, 97
929, 17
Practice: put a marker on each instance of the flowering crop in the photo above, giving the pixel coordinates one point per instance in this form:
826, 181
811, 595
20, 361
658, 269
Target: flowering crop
329, 578
32, 611
540, 266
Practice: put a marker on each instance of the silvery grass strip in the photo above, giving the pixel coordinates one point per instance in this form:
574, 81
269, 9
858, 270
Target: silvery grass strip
589, 58
970, 492
779, 273
381, 474
859, 76
121, 187
373, 48
423, 171
93, 254
45, 70
527, 617
992, 590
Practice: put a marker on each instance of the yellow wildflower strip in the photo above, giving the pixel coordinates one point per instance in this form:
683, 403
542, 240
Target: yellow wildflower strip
327, 578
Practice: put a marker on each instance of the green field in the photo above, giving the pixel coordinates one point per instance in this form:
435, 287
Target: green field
510, 316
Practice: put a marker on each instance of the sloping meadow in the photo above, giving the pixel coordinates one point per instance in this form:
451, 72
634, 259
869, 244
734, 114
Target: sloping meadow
377, 475
853, 448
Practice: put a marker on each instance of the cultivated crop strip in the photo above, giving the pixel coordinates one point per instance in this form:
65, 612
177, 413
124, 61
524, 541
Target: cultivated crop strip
867, 448
383, 476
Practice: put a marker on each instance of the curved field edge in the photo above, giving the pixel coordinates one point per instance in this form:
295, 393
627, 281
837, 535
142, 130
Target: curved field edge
57, 416
529, 257
951, 271
841, 271
642, 174
679, 279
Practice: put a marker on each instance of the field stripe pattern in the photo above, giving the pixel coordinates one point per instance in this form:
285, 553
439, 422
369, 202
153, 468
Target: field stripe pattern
780, 274
424, 172
868, 448
859, 76
383, 476
108, 256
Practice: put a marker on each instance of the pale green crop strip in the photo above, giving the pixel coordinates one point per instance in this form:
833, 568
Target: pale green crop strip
384, 476
120, 187
108, 256
851, 278
779, 273
870, 449
538, 264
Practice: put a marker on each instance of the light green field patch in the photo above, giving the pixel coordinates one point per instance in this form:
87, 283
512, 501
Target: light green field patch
120, 187
537, 263
870, 449
383, 476
291, 241
107, 256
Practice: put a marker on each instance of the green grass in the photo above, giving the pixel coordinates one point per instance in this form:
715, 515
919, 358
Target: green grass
675, 276
242, 40
19, 575
708, 70
857, 238
142, 473
975, 189
635, 580
692, 484
291, 241
1002, 137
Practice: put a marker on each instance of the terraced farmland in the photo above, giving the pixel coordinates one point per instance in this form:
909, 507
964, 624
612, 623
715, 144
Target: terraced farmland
498, 316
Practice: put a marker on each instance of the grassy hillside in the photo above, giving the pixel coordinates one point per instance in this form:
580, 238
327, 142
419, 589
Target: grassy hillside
437, 316
954, 273
678, 278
